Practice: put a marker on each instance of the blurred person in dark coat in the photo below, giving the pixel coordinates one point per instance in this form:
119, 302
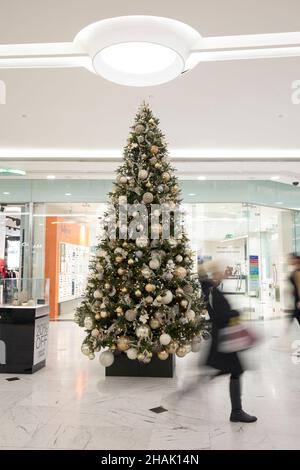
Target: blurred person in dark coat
221, 315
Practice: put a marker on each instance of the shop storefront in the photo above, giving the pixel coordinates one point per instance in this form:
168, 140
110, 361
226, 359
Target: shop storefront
42, 237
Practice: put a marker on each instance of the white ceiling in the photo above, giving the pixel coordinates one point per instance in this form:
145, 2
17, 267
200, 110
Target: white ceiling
244, 106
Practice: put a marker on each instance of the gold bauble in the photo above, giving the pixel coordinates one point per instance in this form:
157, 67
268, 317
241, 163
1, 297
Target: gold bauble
166, 176
172, 347
138, 293
154, 149
159, 298
179, 290
158, 165
107, 285
124, 290
130, 262
119, 310
148, 184
103, 314
125, 244
123, 343
181, 351
184, 303
97, 316
163, 355
121, 271
174, 189
150, 287
119, 259
154, 323
149, 299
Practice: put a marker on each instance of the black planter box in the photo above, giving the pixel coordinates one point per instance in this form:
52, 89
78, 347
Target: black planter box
23, 339
124, 367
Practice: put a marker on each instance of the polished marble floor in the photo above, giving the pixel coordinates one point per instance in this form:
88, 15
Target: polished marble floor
71, 405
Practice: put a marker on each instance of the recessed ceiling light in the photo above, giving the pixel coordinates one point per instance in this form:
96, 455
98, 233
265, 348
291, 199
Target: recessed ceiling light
68, 194
279, 202
192, 194
275, 178
6, 193
51, 177
201, 178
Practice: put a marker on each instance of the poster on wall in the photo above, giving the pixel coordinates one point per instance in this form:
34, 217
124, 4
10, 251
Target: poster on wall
253, 273
40, 339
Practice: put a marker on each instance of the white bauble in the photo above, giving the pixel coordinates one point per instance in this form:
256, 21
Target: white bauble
139, 254
95, 333
165, 339
142, 331
88, 323
146, 272
179, 258
98, 294
147, 198
167, 298
196, 344
122, 179
141, 242
143, 174
180, 272
154, 263
85, 349
106, 358
130, 315
190, 315
132, 353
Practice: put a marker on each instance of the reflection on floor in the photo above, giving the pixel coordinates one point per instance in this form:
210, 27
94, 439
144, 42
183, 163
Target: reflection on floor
71, 405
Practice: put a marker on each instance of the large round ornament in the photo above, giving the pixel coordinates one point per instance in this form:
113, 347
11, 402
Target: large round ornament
163, 355
154, 149
139, 129
142, 331
154, 263
179, 258
150, 287
123, 343
106, 358
141, 242
132, 353
95, 333
85, 349
165, 339
154, 323
88, 323
146, 272
180, 272
143, 174
190, 315
147, 198
166, 298
130, 315
166, 176
181, 351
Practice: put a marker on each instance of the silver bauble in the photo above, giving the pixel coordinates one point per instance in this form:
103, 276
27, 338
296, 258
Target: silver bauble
154, 263
88, 323
146, 272
97, 294
95, 333
148, 198
106, 358
167, 298
190, 315
132, 353
143, 174
179, 258
139, 254
130, 315
141, 242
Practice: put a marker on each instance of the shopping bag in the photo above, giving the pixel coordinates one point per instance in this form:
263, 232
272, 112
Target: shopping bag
235, 338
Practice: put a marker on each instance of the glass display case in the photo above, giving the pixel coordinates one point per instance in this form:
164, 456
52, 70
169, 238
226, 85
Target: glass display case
20, 292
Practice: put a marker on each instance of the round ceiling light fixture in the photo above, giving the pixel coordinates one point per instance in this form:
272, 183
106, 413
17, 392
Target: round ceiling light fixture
138, 50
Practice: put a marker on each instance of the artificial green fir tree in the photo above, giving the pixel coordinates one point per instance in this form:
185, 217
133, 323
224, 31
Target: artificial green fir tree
142, 298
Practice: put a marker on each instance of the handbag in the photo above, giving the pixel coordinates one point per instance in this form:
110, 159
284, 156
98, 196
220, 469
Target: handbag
235, 338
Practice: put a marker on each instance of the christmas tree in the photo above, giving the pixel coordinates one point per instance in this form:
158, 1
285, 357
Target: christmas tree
142, 297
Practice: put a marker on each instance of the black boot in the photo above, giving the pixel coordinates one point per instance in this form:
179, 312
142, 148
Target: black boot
237, 413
